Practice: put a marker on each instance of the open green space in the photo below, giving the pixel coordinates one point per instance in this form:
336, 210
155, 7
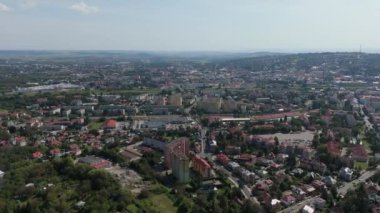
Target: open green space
160, 203
133, 208
360, 165
95, 125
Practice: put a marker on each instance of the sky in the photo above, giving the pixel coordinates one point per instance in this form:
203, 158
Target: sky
191, 25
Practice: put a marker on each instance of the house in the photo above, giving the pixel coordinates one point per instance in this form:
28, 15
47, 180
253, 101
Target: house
313, 165
37, 155
281, 158
75, 149
297, 172
246, 158
110, 124
265, 198
54, 142
213, 146
55, 152
345, 173
262, 161
261, 186
95, 162
329, 181
309, 189
372, 189
307, 209
19, 141
298, 192
262, 173
222, 158
3, 142
211, 185
233, 166
248, 176
333, 149
359, 153
319, 203
318, 184
275, 204
55, 111
288, 200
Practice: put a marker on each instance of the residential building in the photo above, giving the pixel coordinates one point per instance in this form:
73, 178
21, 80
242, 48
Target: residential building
201, 166
307, 209
345, 173
176, 158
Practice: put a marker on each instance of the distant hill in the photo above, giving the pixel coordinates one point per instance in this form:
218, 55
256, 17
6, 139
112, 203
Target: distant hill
347, 61
132, 54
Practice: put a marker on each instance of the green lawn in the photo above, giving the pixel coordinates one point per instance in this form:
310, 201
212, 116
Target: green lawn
133, 208
363, 140
360, 165
160, 203
95, 125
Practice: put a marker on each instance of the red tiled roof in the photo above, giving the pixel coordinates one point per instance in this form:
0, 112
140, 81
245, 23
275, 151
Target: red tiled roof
37, 154
333, 148
55, 151
359, 152
19, 139
201, 162
110, 124
222, 157
245, 157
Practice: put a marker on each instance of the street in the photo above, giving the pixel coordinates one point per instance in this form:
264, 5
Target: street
298, 206
366, 175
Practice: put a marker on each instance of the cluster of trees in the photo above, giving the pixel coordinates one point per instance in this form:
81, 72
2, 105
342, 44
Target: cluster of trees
356, 201
226, 200
57, 186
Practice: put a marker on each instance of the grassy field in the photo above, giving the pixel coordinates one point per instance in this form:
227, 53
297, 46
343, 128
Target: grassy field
133, 208
95, 125
360, 165
363, 140
160, 203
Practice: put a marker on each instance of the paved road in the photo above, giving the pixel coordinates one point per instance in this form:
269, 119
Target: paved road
298, 206
235, 181
366, 175
366, 118
343, 190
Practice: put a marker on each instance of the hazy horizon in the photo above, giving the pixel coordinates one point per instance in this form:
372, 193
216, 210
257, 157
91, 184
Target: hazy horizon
288, 26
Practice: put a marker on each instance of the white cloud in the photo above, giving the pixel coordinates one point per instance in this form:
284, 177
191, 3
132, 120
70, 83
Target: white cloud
84, 8
4, 8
